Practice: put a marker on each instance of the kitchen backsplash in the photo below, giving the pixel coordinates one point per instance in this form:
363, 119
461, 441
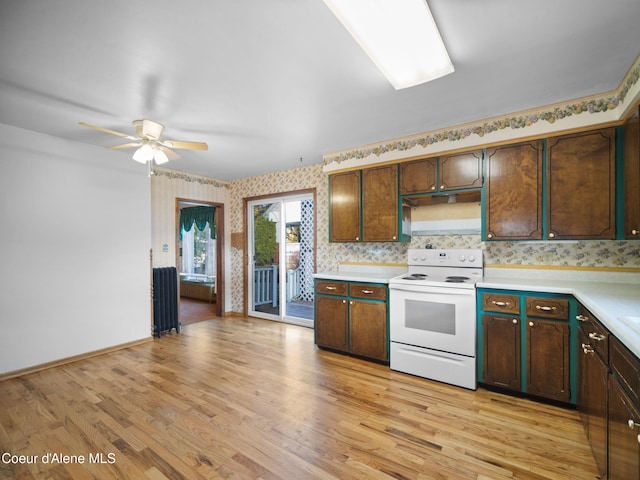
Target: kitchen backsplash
586, 253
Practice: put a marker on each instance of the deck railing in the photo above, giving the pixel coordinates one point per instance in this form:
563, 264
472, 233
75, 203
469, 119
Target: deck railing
294, 277
265, 286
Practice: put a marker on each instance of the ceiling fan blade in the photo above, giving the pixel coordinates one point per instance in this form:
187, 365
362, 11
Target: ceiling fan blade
106, 130
186, 145
171, 155
126, 145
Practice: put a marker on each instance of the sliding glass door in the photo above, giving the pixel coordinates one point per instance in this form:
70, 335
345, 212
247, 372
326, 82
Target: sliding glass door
281, 258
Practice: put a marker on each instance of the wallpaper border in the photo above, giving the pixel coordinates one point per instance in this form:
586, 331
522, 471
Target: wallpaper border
597, 104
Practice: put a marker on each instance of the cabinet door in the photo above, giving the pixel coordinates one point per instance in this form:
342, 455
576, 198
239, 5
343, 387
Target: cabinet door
582, 397
501, 351
592, 399
368, 329
624, 449
344, 207
581, 185
463, 170
548, 359
331, 322
632, 176
380, 204
418, 176
514, 192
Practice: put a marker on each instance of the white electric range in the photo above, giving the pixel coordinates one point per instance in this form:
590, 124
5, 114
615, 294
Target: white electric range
432, 315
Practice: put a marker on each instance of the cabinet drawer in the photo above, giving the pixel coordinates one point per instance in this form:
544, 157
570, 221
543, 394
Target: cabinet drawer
597, 334
332, 288
548, 308
363, 290
626, 367
497, 302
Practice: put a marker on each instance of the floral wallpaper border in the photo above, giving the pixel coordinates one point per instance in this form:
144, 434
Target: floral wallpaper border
175, 175
591, 106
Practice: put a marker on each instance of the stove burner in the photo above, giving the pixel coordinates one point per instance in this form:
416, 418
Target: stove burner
455, 279
415, 276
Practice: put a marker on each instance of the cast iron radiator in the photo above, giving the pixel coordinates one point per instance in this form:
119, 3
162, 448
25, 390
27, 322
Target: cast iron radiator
165, 300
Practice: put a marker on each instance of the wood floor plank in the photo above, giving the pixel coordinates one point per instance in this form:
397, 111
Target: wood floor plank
244, 398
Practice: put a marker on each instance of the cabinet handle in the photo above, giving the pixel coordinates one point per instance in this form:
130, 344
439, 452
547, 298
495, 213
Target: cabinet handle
581, 318
395, 238
531, 324
344, 301
367, 292
433, 187
634, 232
514, 321
586, 348
596, 337
489, 235
442, 187
552, 235
545, 308
632, 424
350, 302
358, 238
330, 287
500, 304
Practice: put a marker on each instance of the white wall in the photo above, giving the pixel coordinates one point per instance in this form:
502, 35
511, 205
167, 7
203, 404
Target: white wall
74, 256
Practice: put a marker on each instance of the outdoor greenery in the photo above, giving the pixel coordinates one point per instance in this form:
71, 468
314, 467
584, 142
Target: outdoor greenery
264, 237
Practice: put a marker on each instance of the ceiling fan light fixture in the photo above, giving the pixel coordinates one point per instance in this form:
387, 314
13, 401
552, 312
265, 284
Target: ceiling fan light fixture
143, 154
159, 156
401, 38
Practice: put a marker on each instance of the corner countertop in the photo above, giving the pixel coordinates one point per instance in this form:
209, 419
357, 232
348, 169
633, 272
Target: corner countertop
608, 301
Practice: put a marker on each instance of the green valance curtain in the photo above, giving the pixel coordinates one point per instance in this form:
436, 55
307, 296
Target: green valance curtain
200, 216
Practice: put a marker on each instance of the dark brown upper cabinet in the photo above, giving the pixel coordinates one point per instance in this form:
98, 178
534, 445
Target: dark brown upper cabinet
514, 192
581, 185
450, 172
632, 176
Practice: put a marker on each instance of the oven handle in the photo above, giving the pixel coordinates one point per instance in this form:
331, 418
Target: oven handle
433, 290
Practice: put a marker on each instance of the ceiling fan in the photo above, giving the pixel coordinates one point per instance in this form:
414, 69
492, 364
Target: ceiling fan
150, 147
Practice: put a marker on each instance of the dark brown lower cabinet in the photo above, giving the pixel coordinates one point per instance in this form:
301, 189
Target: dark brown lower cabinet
332, 322
593, 374
546, 355
624, 446
352, 317
502, 351
548, 359
368, 329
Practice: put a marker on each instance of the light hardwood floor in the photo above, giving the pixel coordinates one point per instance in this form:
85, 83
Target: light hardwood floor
248, 399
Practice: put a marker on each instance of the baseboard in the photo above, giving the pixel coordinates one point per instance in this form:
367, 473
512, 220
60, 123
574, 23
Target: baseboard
67, 360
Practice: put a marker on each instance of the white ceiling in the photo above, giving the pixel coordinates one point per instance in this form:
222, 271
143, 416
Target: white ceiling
268, 82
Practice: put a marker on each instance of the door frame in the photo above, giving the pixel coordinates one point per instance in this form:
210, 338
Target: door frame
220, 260
245, 258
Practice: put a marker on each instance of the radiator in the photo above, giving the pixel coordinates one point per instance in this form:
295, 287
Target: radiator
165, 300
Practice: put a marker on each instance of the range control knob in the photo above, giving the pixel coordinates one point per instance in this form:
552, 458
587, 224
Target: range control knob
462, 258
472, 258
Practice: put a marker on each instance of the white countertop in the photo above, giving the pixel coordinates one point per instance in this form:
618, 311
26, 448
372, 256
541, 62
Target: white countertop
372, 273
356, 276
608, 301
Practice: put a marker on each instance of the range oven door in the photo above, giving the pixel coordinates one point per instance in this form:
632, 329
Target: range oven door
433, 317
